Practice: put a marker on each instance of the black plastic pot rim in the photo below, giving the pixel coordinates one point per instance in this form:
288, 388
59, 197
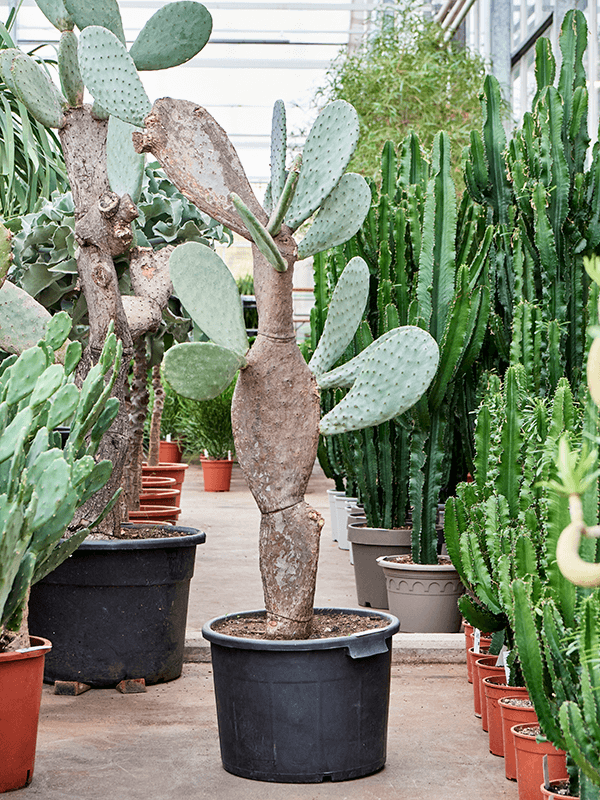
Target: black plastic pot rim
359, 645
189, 538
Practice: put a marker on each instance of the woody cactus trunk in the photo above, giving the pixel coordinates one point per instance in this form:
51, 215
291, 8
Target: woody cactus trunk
105, 174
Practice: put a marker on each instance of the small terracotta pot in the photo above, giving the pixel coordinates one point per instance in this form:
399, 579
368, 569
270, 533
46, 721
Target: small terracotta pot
486, 667
217, 474
176, 471
157, 482
472, 656
510, 716
21, 675
551, 794
530, 769
155, 514
484, 642
152, 496
494, 688
169, 452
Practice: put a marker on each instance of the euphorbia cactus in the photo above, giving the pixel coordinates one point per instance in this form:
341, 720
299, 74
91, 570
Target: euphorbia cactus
41, 483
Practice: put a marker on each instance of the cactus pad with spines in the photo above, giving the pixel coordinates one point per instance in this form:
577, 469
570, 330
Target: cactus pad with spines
125, 167
35, 88
68, 69
345, 312
209, 293
7, 56
173, 35
109, 73
340, 216
104, 13
393, 378
278, 151
344, 376
22, 319
56, 12
328, 149
200, 370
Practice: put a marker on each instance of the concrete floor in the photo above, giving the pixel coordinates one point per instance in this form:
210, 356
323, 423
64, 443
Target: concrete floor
164, 745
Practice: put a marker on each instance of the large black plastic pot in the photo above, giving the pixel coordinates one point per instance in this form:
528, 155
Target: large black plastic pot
303, 711
117, 609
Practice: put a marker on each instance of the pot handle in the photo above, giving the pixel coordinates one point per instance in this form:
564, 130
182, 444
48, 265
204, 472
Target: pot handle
369, 643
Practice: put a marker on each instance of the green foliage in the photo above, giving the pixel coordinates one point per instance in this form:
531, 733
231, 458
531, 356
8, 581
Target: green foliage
206, 425
42, 484
405, 78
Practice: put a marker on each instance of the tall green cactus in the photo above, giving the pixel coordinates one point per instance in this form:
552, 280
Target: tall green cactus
42, 484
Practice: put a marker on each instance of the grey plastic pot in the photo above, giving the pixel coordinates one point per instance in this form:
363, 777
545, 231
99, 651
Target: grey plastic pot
303, 711
424, 597
368, 544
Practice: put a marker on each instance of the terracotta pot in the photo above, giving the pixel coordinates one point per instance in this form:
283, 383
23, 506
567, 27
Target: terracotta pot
494, 688
472, 657
424, 597
157, 482
484, 642
169, 452
530, 770
176, 471
217, 474
551, 793
511, 716
485, 667
155, 514
21, 675
152, 496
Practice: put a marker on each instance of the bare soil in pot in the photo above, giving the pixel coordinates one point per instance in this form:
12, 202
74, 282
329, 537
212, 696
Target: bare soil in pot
325, 625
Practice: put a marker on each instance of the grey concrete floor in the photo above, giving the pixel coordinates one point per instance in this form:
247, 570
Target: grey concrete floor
164, 744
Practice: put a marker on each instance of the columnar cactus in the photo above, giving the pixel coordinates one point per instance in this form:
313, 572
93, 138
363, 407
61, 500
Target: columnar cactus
41, 483
104, 171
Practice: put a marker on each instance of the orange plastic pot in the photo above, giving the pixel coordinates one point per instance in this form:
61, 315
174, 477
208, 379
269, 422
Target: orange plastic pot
472, 657
152, 496
176, 471
217, 474
530, 758
21, 676
157, 482
511, 716
484, 643
486, 667
494, 688
550, 794
169, 452
155, 514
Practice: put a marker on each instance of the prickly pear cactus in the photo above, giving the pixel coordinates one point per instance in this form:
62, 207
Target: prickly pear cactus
42, 484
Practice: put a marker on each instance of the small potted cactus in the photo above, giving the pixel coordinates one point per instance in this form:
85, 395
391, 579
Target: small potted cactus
42, 483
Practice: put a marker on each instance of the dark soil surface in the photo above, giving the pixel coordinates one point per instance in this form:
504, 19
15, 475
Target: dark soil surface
561, 789
325, 626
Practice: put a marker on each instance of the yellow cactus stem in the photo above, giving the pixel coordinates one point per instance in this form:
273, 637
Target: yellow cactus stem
593, 370
570, 563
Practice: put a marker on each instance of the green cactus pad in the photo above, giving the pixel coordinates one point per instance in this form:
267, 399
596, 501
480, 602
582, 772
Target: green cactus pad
109, 73
260, 235
7, 56
328, 149
68, 69
173, 35
35, 88
340, 216
23, 320
343, 377
124, 166
58, 329
56, 12
104, 13
393, 378
345, 312
200, 370
210, 295
5, 253
278, 151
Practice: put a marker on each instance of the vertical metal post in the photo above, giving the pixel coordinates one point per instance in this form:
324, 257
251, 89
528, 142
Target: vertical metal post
501, 43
